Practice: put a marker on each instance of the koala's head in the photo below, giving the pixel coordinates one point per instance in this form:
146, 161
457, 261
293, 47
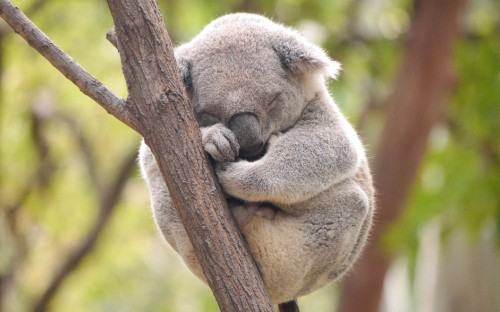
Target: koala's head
252, 75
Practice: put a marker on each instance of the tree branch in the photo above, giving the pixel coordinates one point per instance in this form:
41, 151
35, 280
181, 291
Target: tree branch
167, 123
39, 181
107, 205
111, 36
65, 64
159, 110
84, 146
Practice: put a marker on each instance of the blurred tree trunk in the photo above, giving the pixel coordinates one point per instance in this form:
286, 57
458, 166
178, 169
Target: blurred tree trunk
414, 107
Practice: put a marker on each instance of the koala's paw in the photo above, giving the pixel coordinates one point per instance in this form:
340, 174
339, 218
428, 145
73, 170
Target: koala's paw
229, 176
220, 142
241, 179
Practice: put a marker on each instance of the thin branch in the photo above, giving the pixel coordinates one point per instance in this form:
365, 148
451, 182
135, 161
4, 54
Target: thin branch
107, 205
35, 7
83, 145
40, 115
42, 178
65, 64
159, 109
111, 36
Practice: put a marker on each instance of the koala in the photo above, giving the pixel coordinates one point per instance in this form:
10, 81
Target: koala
293, 169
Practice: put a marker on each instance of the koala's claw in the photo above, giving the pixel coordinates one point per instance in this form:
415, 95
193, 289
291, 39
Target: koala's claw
220, 142
233, 141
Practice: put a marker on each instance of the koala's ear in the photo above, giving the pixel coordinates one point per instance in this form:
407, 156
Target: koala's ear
185, 73
300, 56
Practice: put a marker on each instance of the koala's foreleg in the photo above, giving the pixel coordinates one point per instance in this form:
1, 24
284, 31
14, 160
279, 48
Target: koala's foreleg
220, 142
320, 150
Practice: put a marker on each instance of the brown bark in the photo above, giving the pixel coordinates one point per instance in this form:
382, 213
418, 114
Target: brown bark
166, 120
159, 110
414, 107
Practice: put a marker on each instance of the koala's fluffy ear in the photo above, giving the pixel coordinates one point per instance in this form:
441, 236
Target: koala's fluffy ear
185, 73
300, 56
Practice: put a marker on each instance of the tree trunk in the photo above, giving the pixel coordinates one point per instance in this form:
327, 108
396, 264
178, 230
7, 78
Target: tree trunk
414, 107
159, 110
166, 120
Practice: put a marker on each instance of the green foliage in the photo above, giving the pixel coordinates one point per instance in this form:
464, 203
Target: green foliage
460, 177
131, 269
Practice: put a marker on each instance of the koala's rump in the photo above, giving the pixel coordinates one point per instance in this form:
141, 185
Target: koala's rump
297, 254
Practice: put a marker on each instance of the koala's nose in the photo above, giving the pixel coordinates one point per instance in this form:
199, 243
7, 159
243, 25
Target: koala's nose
246, 127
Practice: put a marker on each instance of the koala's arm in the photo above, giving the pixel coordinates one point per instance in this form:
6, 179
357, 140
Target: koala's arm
220, 142
321, 150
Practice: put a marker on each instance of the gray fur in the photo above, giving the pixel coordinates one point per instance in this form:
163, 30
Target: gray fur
305, 206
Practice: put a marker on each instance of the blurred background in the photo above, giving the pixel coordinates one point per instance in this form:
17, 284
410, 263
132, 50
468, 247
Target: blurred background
420, 82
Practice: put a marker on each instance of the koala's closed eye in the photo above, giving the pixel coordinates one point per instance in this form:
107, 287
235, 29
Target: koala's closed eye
274, 101
205, 119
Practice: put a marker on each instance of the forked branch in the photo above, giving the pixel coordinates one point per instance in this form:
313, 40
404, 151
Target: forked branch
158, 109
64, 63
167, 123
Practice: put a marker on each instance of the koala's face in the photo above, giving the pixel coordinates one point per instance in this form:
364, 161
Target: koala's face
250, 93
248, 74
